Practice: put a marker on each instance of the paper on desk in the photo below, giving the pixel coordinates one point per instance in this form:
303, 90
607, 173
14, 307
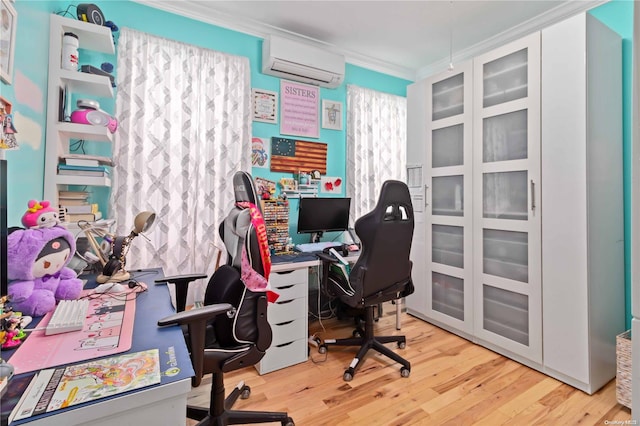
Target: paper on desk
63, 387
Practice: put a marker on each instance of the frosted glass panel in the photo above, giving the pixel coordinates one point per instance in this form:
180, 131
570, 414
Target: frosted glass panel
504, 137
505, 79
506, 254
505, 195
447, 195
506, 313
447, 295
447, 97
447, 146
447, 245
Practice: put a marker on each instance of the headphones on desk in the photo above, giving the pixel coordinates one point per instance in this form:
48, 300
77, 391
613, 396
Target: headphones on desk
115, 262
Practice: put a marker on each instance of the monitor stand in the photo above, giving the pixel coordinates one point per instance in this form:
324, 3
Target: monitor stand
315, 237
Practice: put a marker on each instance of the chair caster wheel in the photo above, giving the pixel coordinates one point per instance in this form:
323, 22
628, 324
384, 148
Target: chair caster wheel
404, 372
246, 392
322, 349
348, 375
289, 422
356, 334
402, 345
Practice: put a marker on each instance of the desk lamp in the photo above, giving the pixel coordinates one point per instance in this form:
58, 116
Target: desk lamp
114, 269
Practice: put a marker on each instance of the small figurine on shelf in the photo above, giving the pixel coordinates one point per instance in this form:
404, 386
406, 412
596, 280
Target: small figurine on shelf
37, 259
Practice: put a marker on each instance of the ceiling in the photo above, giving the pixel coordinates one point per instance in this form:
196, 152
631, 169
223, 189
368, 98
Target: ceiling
408, 39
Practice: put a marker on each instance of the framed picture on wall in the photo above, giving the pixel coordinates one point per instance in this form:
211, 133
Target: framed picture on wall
299, 108
264, 105
331, 115
8, 22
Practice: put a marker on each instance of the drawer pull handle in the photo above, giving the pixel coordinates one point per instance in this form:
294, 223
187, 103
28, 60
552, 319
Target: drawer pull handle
284, 272
284, 302
283, 345
285, 287
283, 323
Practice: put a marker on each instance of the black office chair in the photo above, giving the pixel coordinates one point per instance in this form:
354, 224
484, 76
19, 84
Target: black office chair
231, 331
382, 272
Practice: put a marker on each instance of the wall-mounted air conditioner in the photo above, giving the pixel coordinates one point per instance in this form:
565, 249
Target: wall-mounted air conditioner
297, 61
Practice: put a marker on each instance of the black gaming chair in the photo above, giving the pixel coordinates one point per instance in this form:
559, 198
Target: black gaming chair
231, 331
382, 272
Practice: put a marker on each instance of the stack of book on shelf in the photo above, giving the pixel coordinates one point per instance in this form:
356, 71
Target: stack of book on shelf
64, 169
84, 165
75, 206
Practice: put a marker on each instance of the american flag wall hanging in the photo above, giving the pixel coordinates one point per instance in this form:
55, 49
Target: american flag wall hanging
291, 155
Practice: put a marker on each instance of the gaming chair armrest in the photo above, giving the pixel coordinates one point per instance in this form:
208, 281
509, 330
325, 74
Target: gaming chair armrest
195, 315
324, 257
184, 278
196, 321
182, 285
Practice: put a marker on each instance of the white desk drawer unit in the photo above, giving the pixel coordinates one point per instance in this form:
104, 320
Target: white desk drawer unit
288, 320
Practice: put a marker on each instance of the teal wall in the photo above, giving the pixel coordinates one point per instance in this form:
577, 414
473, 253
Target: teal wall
30, 69
26, 178
618, 15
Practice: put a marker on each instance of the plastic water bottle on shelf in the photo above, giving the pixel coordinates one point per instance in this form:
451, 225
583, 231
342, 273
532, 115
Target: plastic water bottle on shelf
70, 44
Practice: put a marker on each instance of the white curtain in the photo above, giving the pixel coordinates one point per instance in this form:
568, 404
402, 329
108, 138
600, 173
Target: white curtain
376, 145
184, 130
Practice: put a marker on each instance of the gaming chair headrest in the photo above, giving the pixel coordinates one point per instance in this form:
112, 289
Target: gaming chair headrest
244, 188
396, 193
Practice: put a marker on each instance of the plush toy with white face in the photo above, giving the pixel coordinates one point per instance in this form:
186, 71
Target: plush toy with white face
38, 275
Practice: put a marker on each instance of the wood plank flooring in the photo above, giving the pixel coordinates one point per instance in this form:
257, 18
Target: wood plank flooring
452, 382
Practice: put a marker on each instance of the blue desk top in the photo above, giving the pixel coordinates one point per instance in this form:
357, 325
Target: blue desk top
151, 306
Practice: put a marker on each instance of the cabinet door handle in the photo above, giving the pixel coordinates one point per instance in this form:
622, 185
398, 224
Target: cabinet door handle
426, 203
533, 196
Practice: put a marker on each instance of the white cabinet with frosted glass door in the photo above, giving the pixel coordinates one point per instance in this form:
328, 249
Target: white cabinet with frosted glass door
446, 293
416, 101
506, 218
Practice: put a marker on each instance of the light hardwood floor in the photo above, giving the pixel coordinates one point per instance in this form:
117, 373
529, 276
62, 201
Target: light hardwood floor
452, 382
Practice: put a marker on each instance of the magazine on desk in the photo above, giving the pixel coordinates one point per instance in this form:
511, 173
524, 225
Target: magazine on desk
57, 388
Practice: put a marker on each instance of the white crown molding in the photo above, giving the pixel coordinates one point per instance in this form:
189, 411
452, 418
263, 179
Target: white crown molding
198, 10
552, 16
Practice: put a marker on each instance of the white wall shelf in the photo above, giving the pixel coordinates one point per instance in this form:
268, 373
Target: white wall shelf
83, 180
85, 83
58, 135
85, 131
91, 36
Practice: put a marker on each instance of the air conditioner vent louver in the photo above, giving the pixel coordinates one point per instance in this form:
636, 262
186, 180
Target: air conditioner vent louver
300, 62
300, 71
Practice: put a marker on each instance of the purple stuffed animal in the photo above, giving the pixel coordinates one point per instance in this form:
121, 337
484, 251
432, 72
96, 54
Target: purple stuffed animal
38, 276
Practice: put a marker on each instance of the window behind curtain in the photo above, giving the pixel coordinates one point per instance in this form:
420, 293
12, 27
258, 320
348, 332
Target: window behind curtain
376, 144
185, 129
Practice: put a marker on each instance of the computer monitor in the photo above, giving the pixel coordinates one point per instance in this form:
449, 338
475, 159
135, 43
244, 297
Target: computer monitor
319, 215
